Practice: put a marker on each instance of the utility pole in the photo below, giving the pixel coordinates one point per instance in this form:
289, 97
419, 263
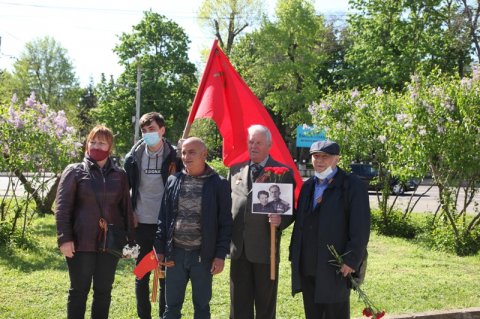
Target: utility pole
137, 103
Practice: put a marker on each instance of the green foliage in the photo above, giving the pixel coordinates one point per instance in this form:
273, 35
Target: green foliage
217, 165
287, 62
397, 225
439, 236
429, 280
36, 145
207, 130
430, 127
160, 48
35, 138
392, 39
17, 238
44, 67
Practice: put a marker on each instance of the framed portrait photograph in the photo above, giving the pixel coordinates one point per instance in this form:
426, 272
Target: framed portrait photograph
272, 198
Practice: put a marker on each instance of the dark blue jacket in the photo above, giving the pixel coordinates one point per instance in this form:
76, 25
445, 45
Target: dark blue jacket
348, 231
216, 220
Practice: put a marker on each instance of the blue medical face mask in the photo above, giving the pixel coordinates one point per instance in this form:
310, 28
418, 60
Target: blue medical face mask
151, 138
324, 174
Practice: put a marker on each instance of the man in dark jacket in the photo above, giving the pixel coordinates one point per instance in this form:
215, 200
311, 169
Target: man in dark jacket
194, 230
252, 293
148, 165
333, 209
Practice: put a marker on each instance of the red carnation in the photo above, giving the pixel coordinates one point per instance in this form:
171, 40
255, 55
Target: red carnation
380, 315
367, 312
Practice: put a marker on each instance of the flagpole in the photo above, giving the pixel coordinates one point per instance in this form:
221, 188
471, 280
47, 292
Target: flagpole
273, 252
186, 130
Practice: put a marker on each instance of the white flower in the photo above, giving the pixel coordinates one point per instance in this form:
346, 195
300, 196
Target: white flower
131, 251
382, 139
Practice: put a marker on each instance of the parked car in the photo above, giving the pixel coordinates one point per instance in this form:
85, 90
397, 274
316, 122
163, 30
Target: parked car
369, 174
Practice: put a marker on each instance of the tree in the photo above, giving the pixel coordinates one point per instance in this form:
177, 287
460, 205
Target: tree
228, 18
37, 141
87, 102
159, 47
430, 127
287, 62
471, 13
443, 120
115, 108
394, 39
44, 67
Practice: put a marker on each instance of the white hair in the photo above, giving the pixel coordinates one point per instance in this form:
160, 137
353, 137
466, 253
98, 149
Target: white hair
257, 128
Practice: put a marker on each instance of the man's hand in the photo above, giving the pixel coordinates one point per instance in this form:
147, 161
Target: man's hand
160, 258
346, 270
217, 266
68, 249
274, 219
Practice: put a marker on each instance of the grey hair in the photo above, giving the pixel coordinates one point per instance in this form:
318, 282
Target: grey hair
257, 128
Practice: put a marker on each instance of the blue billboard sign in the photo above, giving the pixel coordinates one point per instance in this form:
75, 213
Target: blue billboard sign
306, 135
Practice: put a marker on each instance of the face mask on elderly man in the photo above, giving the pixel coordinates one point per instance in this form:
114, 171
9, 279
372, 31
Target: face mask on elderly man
324, 174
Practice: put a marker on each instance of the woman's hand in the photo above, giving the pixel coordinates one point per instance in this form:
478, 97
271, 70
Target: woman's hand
68, 249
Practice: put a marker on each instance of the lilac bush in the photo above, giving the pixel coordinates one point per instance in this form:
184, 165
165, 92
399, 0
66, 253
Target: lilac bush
36, 145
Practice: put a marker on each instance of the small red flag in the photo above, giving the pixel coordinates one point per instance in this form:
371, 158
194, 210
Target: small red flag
224, 97
148, 263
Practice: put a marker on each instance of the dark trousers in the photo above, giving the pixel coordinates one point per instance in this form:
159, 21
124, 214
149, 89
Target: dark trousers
252, 289
188, 267
145, 234
339, 310
83, 269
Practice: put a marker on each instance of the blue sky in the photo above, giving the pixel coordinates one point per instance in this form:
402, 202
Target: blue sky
89, 29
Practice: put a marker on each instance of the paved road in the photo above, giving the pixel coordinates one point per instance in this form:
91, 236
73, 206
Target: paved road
428, 202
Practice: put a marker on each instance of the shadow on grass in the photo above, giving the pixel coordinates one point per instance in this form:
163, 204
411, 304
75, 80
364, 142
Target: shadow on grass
43, 253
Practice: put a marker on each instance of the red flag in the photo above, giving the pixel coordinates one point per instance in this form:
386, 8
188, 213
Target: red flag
224, 97
148, 263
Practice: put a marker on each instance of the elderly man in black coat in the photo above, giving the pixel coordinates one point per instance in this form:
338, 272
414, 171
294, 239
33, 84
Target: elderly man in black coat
333, 209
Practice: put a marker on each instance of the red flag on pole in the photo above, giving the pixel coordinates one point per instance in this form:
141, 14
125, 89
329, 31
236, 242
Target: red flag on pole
224, 97
148, 263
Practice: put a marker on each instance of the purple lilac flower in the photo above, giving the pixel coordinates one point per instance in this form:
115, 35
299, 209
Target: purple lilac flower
31, 100
401, 117
475, 73
466, 83
14, 98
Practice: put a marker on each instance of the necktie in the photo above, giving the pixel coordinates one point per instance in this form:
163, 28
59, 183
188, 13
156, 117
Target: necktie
255, 171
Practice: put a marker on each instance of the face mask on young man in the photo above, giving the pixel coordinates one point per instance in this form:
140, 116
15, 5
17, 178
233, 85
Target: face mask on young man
151, 138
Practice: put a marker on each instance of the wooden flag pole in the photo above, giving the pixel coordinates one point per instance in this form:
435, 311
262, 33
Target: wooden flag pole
273, 251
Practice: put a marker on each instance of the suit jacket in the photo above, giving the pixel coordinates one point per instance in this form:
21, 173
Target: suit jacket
252, 231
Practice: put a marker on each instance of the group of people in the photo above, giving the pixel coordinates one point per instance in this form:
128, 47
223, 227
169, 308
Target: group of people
193, 219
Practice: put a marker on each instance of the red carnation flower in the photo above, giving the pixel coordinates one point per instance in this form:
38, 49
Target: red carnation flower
367, 312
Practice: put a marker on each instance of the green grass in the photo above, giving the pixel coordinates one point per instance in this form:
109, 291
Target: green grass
402, 277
